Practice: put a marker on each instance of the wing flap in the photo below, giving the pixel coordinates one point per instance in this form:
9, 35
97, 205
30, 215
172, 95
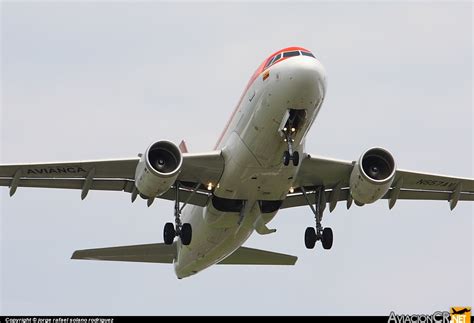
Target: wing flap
198, 198
154, 253
250, 256
297, 199
430, 195
71, 183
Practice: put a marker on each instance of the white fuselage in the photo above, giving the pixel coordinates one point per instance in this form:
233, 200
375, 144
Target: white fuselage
253, 148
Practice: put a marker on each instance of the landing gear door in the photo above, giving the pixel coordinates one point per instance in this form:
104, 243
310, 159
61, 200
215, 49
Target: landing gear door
286, 116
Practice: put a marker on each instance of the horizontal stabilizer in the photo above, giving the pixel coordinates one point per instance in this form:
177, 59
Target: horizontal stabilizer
165, 254
249, 256
155, 252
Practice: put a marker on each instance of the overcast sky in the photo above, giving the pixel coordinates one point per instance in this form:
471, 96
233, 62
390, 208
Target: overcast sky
101, 80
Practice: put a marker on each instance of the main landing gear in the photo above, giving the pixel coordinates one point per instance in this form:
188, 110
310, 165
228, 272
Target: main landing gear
319, 233
290, 154
182, 230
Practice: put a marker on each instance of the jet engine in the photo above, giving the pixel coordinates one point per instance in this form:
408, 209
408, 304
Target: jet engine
372, 176
158, 169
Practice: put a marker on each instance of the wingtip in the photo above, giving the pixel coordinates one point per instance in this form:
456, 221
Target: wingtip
76, 255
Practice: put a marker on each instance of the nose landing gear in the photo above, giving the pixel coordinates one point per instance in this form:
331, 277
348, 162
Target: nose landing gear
312, 235
292, 122
290, 154
182, 230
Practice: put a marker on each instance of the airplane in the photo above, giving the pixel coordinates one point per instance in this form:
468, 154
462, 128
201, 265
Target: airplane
257, 167
460, 312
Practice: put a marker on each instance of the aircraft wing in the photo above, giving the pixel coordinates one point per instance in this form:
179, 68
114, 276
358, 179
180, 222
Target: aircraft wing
113, 175
334, 175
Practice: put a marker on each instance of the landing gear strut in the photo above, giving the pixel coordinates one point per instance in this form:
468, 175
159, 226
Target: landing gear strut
290, 154
182, 230
319, 233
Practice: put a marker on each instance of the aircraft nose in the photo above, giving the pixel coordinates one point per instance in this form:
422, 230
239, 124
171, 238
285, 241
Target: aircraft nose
306, 72
300, 82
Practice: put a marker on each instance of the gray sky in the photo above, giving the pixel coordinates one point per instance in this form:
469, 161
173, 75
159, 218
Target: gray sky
103, 80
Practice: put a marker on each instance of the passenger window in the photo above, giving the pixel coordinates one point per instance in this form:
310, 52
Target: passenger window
290, 54
307, 54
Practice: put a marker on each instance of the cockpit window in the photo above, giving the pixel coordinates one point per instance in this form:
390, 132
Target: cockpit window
269, 62
307, 54
276, 58
291, 54
272, 60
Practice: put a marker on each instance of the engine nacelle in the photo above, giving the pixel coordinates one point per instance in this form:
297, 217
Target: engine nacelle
158, 169
372, 176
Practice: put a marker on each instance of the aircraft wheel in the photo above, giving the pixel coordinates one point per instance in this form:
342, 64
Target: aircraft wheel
310, 237
296, 158
327, 238
169, 233
186, 234
286, 158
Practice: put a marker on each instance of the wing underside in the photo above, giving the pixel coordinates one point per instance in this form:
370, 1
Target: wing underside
114, 175
334, 176
199, 169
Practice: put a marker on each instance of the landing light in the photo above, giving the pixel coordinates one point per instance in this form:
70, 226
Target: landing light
292, 189
293, 129
209, 186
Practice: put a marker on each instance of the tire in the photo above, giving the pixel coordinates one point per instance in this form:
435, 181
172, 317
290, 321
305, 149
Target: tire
169, 233
286, 158
310, 237
296, 158
186, 234
327, 238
